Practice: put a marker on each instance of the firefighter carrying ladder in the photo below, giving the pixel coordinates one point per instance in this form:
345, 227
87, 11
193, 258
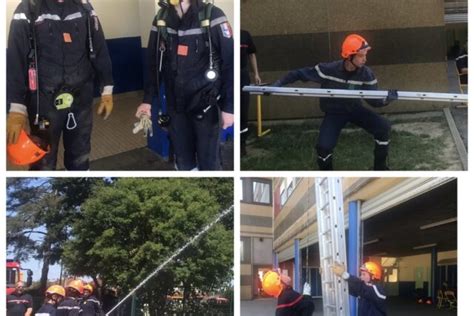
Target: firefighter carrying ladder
332, 245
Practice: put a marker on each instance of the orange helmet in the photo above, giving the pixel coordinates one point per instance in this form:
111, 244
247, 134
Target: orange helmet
56, 289
28, 150
272, 284
76, 285
373, 268
89, 288
353, 44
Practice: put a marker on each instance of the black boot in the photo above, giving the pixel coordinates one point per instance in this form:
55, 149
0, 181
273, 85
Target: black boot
380, 157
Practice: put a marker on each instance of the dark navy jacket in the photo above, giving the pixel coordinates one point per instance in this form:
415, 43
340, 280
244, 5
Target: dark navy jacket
91, 307
46, 310
334, 76
292, 303
186, 59
68, 307
63, 50
372, 298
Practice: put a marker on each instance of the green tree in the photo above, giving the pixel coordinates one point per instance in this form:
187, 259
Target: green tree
131, 226
40, 213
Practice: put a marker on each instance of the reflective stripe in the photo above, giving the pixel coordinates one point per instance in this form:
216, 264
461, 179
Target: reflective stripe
73, 16
20, 16
185, 33
290, 304
171, 31
42, 314
461, 57
382, 143
93, 13
245, 130
325, 158
154, 29
218, 21
68, 307
48, 16
324, 76
378, 293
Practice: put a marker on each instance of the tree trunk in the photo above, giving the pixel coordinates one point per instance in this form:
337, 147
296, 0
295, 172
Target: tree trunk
45, 269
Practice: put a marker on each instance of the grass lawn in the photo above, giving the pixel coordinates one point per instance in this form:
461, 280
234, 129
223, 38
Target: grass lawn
419, 141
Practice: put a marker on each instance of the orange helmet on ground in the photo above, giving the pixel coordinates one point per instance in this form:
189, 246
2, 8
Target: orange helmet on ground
28, 150
353, 44
271, 283
56, 289
89, 288
373, 268
76, 285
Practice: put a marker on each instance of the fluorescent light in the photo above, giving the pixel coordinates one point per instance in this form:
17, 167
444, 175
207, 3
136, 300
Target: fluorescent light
424, 246
443, 222
373, 241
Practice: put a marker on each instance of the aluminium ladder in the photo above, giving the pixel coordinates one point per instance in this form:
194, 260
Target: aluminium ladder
355, 94
332, 244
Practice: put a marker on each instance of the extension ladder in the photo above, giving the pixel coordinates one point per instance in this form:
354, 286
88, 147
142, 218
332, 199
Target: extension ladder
332, 245
355, 94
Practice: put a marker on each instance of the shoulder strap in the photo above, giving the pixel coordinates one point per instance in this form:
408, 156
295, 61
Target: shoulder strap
205, 15
161, 23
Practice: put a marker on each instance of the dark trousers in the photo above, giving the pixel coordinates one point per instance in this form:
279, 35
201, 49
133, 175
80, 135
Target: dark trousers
370, 121
196, 142
77, 141
244, 109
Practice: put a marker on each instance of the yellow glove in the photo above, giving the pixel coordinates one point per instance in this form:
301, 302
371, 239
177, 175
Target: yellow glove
15, 123
106, 105
338, 269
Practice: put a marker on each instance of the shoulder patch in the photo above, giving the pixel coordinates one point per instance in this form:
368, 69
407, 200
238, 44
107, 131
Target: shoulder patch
226, 30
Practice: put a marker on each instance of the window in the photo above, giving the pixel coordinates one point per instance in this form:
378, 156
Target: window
261, 192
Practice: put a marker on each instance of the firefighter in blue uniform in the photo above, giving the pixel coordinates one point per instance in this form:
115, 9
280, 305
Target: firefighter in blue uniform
191, 52
70, 305
90, 305
289, 302
55, 49
348, 73
54, 295
367, 288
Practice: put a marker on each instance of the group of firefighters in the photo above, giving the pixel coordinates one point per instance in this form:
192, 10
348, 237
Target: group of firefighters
76, 298
367, 288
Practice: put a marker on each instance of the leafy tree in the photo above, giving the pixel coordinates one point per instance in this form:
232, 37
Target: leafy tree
129, 227
40, 212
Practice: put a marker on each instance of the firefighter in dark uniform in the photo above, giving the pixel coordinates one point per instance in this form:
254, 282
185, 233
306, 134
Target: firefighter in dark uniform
461, 64
19, 303
54, 295
248, 53
90, 305
367, 288
70, 305
290, 302
193, 58
55, 49
348, 73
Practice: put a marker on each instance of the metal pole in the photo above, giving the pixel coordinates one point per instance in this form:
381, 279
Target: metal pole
434, 268
354, 248
275, 260
297, 273
260, 133
355, 94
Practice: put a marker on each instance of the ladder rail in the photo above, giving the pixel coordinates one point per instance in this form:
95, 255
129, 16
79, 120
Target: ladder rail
332, 248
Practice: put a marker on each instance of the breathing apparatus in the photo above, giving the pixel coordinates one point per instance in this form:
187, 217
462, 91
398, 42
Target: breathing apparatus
63, 98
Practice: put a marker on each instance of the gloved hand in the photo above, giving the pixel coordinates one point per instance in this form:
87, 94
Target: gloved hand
391, 96
145, 124
106, 105
306, 289
15, 123
143, 109
227, 119
338, 269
